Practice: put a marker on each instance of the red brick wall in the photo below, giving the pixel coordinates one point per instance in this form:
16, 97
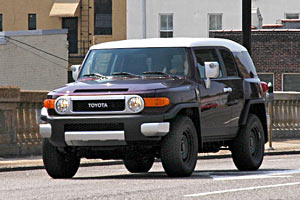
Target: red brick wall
273, 51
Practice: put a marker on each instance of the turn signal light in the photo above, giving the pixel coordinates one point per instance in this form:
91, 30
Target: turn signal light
156, 102
49, 103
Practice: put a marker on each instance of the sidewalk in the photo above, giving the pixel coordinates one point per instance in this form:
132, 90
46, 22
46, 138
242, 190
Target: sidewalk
290, 146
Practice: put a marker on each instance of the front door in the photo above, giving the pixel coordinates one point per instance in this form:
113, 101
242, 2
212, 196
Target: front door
217, 102
71, 23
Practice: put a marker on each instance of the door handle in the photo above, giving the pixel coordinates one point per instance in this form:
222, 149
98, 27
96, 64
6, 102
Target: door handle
229, 89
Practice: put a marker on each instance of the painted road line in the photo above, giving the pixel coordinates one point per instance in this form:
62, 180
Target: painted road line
241, 189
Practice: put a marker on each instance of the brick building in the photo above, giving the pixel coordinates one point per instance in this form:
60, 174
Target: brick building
275, 53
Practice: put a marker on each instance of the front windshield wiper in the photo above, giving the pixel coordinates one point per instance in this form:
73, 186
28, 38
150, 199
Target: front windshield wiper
124, 74
160, 73
94, 75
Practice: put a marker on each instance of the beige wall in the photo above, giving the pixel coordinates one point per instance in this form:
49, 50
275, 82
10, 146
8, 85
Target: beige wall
15, 14
31, 69
15, 17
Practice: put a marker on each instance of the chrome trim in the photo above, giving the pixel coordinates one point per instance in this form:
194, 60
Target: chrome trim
155, 129
93, 136
104, 97
45, 130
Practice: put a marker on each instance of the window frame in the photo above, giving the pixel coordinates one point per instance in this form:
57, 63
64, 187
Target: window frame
282, 84
29, 21
267, 73
208, 23
95, 20
168, 30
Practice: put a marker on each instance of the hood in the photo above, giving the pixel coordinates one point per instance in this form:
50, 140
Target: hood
118, 84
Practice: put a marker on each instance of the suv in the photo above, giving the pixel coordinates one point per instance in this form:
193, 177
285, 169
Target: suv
138, 100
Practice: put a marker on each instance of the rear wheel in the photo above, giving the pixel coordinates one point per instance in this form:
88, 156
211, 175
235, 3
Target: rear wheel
140, 164
57, 163
179, 148
248, 147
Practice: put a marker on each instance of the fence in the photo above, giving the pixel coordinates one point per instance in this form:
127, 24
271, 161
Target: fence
19, 119
284, 112
20, 116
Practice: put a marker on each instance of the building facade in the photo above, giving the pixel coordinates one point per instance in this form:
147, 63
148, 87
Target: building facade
88, 21
194, 18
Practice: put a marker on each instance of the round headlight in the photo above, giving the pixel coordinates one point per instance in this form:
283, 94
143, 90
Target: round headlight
62, 105
135, 104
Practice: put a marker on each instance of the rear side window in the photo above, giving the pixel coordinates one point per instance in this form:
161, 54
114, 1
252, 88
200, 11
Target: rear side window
229, 63
206, 55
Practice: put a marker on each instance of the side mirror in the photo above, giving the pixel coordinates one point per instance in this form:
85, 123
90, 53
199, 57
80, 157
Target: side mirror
212, 70
75, 71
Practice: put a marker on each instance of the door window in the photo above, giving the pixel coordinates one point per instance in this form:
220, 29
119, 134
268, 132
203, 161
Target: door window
206, 55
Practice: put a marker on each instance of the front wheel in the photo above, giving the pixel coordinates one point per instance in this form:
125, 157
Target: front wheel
179, 148
57, 163
248, 147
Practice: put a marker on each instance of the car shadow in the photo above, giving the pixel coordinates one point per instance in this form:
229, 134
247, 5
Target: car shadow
198, 174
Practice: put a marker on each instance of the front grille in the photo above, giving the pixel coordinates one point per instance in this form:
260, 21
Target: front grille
98, 105
94, 127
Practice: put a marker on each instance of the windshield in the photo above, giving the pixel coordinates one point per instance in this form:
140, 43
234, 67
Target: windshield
141, 61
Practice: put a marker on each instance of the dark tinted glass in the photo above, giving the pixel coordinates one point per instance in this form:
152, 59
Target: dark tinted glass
206, 55
166, 34
103, 17
229, 63
291, 82
1, 29
32, 22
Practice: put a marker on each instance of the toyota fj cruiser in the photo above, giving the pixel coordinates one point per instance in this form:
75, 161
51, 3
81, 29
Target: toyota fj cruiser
138, 100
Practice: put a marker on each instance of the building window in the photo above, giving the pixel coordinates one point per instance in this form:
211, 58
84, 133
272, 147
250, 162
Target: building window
267, 77
291, 82
103, 17
166, 25
31, 21
215, 22
1, 21
292, 15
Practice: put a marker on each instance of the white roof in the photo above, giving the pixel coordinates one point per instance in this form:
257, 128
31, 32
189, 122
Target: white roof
171, 42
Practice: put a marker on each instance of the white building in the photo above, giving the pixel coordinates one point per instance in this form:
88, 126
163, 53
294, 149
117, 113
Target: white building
194, 18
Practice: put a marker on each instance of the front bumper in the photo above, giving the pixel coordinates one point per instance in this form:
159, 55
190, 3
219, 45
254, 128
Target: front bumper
135, 128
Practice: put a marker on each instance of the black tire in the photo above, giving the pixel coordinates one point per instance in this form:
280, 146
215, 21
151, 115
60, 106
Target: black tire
179, 148
58, 164
248, 147
139, 164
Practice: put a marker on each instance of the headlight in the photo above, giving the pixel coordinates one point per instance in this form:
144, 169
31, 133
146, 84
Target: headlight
135, 104
62, 105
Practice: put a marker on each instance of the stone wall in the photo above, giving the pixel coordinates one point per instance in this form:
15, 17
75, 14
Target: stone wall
19, 119
34, 60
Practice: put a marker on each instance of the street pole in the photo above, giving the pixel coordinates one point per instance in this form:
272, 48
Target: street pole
246, 24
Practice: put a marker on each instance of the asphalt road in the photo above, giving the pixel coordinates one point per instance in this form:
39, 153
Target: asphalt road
278, 178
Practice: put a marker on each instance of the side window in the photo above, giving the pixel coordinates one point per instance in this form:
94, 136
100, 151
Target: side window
229, 63
206, 55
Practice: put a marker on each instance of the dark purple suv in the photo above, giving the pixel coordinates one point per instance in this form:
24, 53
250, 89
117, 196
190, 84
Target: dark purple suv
138, 100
